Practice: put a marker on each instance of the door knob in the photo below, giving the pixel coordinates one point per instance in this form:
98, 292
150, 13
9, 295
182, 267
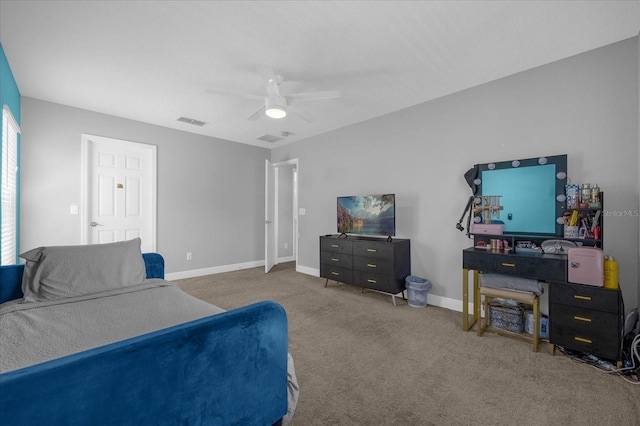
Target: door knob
94, 224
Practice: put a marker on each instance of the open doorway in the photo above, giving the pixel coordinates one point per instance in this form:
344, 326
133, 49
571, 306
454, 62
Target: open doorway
281, 221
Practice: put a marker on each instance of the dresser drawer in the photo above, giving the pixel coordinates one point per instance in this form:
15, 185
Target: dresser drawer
384, 283
336, 259
584, 296
589, 321
336, 245
373, 249
335, 273
373, 265
599, 337
606, 347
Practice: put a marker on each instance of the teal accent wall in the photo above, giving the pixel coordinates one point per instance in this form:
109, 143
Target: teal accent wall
10, 96
9, 93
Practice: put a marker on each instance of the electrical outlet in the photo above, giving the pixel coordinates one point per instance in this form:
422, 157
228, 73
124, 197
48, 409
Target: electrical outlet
188, 256
286, 246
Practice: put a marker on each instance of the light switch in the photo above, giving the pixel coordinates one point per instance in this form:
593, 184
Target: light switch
73, 209
302, 212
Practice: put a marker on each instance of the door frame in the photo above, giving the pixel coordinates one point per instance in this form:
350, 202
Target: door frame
296, 165
85, 187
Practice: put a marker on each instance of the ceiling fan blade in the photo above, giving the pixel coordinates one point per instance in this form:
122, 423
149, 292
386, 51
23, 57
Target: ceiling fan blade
315, 96
295, 111
230, 93
257, 115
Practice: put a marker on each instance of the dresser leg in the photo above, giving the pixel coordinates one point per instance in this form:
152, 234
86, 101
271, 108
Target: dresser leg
552, 349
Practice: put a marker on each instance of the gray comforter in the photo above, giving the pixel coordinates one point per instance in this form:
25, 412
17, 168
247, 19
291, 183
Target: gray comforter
34, 332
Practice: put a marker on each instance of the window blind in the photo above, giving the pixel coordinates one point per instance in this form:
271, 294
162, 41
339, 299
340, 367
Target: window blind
8, 214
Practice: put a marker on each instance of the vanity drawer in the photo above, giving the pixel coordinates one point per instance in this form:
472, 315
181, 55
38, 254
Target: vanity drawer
336, 259
478, 260
373, 265
589, 321
540, 268
373, 249
584, 296
593, 332
336, 245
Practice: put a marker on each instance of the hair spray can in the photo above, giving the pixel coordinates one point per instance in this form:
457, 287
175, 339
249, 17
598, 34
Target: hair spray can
610, 272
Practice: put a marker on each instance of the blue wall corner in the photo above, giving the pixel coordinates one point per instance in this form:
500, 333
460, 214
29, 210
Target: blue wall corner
10, 96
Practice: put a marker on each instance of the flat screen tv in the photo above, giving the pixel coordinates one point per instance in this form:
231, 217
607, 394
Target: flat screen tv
367, 215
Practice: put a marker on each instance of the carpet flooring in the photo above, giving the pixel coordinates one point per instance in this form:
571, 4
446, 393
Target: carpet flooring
361, 361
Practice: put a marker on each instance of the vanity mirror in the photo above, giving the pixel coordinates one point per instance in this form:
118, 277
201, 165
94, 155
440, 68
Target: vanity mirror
532, 193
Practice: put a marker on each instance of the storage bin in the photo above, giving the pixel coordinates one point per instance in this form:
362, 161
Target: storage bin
509, 318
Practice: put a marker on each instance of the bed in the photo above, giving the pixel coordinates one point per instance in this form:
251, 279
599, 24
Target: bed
95, 335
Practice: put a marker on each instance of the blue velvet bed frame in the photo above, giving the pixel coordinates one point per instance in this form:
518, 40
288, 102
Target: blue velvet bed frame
226, 369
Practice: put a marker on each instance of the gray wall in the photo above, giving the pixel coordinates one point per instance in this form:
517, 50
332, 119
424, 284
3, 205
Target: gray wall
585, 106
210, 191
285, 211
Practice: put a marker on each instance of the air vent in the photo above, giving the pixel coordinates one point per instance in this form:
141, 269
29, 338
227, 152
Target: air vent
269, 138
192, 121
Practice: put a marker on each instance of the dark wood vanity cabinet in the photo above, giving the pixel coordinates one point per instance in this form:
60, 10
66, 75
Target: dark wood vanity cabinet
586, 318
372, 263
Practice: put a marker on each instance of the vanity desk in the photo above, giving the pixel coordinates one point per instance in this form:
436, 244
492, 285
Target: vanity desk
525, 203
541, 267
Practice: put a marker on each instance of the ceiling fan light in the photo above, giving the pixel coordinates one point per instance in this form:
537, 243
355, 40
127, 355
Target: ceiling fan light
275, 111
275, 106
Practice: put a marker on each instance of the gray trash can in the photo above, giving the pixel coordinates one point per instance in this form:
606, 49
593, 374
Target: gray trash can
417, 289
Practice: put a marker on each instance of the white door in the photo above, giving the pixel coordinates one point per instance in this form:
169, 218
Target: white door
120, 191
270, 251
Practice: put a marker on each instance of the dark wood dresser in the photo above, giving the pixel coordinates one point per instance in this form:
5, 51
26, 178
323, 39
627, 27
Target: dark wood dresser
372, 263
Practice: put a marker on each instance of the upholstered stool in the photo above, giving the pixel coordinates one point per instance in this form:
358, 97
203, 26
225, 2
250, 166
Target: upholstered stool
524, 297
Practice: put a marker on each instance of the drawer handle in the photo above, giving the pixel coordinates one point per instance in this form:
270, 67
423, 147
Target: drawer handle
335, 245
510, 265
371, 265
372, 281
335, 273
582, 340
577, 296
372, 250
335, 260
583, 319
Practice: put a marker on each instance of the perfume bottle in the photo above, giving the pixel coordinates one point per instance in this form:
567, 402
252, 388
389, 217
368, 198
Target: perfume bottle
585, 195
595, 194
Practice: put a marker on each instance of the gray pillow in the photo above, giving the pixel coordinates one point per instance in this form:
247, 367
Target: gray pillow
53, 273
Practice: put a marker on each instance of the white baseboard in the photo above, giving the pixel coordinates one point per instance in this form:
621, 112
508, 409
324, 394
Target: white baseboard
309, 271
213, 270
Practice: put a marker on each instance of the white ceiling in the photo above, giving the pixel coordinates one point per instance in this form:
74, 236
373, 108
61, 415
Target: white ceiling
152, 61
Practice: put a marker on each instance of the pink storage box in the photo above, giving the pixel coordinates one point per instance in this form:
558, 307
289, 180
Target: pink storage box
586, 266
487, 228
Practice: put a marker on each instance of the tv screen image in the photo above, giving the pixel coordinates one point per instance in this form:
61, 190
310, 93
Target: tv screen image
367, 214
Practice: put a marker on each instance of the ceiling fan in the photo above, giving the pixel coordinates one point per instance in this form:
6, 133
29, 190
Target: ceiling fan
277, 105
